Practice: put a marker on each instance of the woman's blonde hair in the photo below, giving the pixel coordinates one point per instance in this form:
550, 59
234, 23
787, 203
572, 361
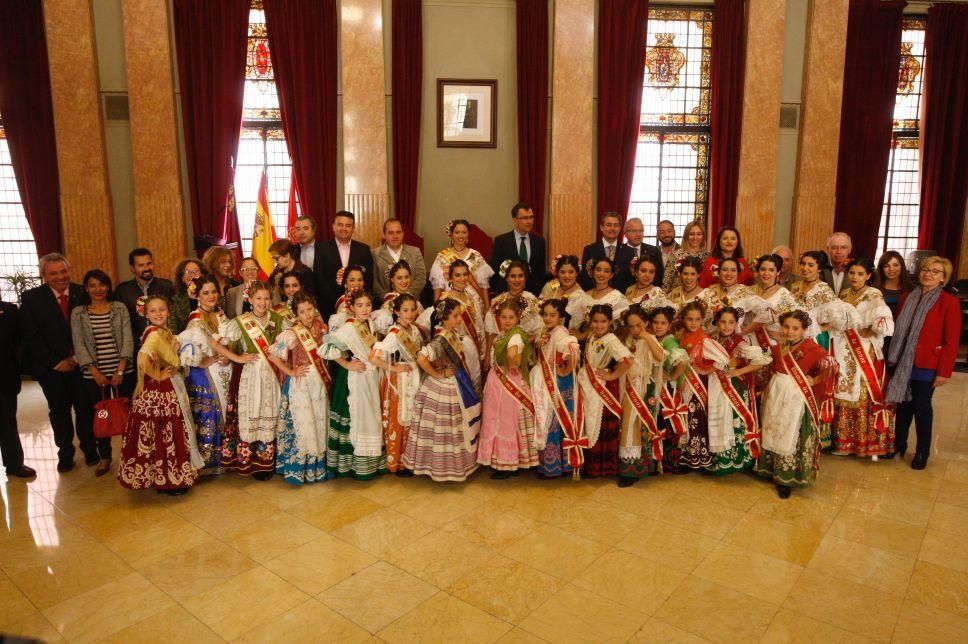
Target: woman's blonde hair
695, 223
945, 264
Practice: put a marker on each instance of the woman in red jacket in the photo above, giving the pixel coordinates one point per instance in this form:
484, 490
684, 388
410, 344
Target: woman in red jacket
728, 245
922, 354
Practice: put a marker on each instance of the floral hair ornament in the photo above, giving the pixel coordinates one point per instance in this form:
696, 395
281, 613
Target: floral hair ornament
503, 269
449, 228
440, 307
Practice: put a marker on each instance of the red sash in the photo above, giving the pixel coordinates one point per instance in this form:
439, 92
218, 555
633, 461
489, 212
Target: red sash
572, 441
561, 412
793, 369
254, 331
655, 436
468, 321
607, 398
875, 380
674, 410
763, 339
751, 437
512, 388
697, 386
311, 347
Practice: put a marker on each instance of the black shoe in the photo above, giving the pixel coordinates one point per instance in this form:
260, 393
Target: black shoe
682, 470
784, 491
22, 472
889, 456
65, 466
405, 473
920, 462
262, 476
176, 492
626, 481
901, 451
500, 475
91, 459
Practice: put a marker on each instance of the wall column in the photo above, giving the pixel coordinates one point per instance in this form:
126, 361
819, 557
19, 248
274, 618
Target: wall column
756, 198
823, 85
159, 217
365, 177
571, 216
87, 220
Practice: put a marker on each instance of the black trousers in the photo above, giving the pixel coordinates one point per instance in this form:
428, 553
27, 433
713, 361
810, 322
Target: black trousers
85, 416
64, 392
919, 410
10, 448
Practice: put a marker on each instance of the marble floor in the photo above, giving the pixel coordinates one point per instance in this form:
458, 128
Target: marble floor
875, 551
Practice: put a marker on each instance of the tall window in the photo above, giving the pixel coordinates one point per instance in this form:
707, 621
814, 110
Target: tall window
671, 178
262, 144
902, 192
18, 252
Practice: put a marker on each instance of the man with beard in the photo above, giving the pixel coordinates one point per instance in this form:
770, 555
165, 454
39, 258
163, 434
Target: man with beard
134, 292
666, 234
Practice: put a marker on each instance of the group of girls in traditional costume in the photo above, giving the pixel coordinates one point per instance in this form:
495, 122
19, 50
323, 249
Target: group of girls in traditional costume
721, 379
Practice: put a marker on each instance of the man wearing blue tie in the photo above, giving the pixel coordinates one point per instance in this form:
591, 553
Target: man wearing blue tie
520, 243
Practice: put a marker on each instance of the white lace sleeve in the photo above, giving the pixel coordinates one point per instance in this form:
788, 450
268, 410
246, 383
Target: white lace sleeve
755, 355
382, 321
481, 269
437, 278
386, 346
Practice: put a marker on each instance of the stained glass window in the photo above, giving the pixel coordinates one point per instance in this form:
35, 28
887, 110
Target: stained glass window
17, 249
262, 144
671, 177
902, 191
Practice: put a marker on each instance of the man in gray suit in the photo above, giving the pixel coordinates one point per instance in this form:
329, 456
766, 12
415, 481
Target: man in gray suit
389, 253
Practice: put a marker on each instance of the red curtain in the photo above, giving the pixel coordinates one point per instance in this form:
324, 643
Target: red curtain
866, 120
303, 39
28, 117
621, 55
407, 83
211, 40
532, 39
727, 76
944, 132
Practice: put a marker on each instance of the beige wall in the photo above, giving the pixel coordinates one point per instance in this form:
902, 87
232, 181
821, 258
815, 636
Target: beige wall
467, 39
476, 39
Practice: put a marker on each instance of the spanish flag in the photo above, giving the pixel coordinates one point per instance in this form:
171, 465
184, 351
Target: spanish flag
263, 233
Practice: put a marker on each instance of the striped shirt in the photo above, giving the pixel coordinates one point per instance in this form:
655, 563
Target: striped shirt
107, 358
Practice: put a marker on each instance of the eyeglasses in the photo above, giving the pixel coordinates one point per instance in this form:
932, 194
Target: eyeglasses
248, 269
933, 271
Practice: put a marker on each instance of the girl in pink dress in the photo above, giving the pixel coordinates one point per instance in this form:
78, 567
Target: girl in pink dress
507, 441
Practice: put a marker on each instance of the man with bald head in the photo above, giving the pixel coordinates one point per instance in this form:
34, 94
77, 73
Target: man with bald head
634, 234
838, 252
788, 274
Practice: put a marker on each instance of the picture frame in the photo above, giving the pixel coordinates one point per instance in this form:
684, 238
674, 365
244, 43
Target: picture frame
466, 113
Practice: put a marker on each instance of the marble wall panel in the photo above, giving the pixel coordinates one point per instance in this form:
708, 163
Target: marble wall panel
88, 226
571, 215
159, 217
756, 198
815, 198
365, 178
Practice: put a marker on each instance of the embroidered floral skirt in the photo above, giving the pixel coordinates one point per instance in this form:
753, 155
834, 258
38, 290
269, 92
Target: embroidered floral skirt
553, 459
155, 450
602, 459
394, 434
854, 428
798, 469
636, 459
207, 417
301, 435
248, 457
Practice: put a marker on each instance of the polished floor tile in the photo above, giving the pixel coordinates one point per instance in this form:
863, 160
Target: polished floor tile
874, 551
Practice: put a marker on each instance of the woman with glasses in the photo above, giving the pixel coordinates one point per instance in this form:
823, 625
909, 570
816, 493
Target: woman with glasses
186, 298
237, 298
922, 355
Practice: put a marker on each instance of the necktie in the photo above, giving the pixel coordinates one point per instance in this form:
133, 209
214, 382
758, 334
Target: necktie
610, 251
522, 251
62, 300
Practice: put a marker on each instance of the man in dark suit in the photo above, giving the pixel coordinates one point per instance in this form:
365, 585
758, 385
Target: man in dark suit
634, 233
520, 243
10, 448
610, 227
839, 246
144, 284
49, 354
304, 232
335, 255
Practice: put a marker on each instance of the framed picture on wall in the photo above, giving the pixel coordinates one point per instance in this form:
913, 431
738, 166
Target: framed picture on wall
466, 113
